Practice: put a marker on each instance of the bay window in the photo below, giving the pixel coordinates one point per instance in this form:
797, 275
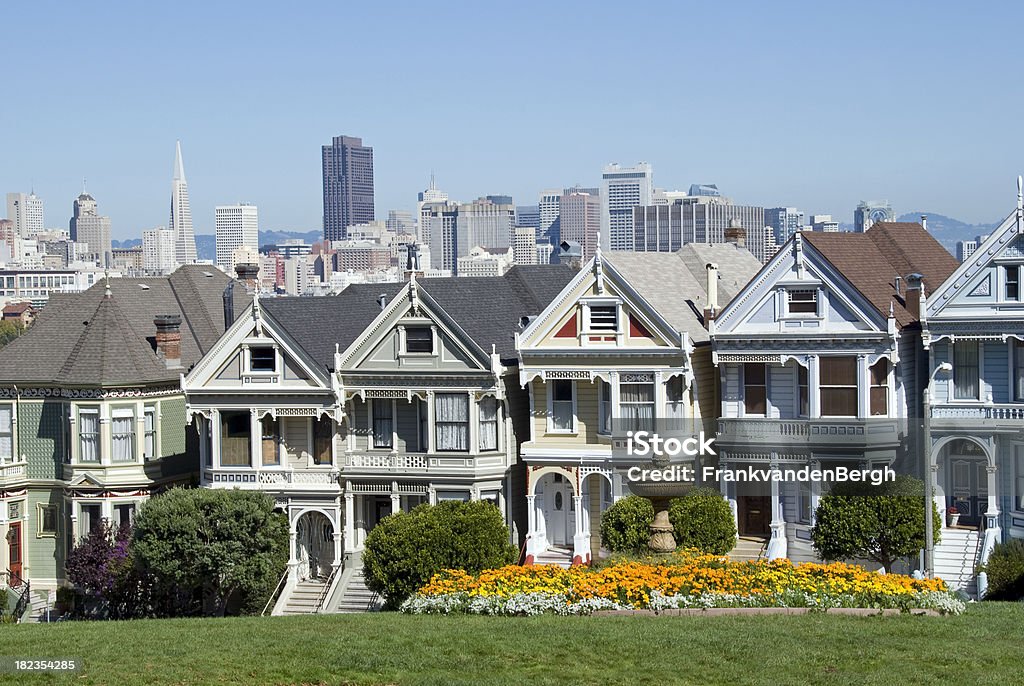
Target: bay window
636, 406
451, 422
89, 435
235, 434
488, 408
838, 386
755, 389
323, 439
562, 409
382, 423
123, 434
966, 380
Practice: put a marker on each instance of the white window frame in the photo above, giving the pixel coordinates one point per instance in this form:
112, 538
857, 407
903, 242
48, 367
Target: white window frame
404, 339
1016, 371
119, 414
92, 411
278, 361
41, 532
787, 299
468, 422
7, 435
587, 328
496, 421
551, 429
981, 367
150, 434
604, 408
376, 436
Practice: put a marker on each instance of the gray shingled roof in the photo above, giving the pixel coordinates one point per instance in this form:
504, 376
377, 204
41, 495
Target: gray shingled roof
487, 308
87, 339
675, 284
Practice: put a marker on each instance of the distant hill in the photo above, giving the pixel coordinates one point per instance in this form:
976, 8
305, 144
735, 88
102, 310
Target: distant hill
947, 230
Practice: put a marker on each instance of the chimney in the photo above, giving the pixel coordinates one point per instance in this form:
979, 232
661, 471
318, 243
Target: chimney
711, 310
168, 339
897, 283
736, 234
382, 300
915, 295
247, 274
229, 305
924, 222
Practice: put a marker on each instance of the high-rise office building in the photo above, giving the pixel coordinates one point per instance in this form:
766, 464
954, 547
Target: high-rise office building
181, 214
785, 221
158, 251
437, 230
696, 219
622, 189
235, 226
579, 217
25, 210
348, 185
87, 226
524, 245
457, 228
400, 222
430, 196
528, 215
867, 213
547, 215
824, 222
964, 249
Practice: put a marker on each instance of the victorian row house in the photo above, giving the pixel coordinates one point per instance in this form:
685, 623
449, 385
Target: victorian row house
974, 341
92, 414
348, 408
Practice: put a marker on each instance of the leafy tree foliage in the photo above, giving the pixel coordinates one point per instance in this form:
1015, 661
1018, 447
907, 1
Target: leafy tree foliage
9, 330
1005, 570
626, 525
406, 549
702, 519
882, 523
225, 549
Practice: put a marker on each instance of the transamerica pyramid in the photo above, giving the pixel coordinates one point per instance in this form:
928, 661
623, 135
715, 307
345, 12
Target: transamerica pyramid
181, 214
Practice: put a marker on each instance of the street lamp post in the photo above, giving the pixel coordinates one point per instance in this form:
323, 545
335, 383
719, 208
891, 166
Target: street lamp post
929, 498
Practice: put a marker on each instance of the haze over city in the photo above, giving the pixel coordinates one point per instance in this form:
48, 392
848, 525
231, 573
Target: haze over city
791, 104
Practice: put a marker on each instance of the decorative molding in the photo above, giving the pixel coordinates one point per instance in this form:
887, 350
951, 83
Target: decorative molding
88, 393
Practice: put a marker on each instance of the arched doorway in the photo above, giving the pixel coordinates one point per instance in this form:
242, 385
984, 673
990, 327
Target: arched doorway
556, 509
314, 540
965, 481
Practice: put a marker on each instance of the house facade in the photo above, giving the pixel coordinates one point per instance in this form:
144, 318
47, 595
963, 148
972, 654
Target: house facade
92, 415
623, 347
348, 408
819, 367
974, 338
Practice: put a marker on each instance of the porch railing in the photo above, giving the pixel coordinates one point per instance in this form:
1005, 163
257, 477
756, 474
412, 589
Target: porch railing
869, 431
990, 411
242, 476
277, 592
12, 470
24, 594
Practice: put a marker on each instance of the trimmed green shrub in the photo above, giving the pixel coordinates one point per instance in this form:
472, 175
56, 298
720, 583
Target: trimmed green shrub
702, 519
1005, 570
406, 549
626, 525
882, 523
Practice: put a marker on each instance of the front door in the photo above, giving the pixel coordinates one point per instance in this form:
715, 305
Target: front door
559, 510
968, 489
14, 549
754, 515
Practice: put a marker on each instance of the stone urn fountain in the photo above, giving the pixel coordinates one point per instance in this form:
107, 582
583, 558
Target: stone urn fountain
660, 493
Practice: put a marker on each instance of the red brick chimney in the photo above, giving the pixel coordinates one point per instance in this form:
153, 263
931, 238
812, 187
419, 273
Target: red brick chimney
248, 274
736, 234
915, 295
168, 339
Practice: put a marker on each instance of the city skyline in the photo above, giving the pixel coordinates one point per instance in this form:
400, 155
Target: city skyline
823, 150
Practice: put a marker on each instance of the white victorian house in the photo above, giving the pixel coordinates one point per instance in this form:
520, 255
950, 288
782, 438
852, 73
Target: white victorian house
819, 365
622, 347
348, 408
974, 335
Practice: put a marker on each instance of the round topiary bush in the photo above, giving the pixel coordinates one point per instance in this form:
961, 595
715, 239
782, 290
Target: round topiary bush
702, 519
625, 526
407, 548
1005, 570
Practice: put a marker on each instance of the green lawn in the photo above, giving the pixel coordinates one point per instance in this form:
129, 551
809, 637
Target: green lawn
983, 646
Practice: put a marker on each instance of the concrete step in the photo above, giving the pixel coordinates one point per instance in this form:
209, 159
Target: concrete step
357, 597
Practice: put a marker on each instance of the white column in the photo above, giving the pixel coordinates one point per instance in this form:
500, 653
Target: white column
815, 492
293, 551
813, 387
255, 439
215, 437
350, 519
863, 388
777, 545
531, 528
993, 532
396, 498
580, 541
729, 495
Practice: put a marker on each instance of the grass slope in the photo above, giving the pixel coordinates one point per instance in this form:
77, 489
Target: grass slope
980, 647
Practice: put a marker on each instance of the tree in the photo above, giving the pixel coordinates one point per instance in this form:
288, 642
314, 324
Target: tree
226, 547
626, 525
406, 549
882, 523
9, 330
702, 519
108, 584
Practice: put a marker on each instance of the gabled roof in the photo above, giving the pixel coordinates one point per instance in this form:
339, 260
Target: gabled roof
89, 339
872, 260
675, 284
489, 309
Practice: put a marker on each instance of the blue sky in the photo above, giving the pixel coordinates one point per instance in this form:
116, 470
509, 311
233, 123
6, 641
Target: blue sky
816, 105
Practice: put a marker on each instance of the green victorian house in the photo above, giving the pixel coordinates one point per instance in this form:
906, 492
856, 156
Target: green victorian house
92, 416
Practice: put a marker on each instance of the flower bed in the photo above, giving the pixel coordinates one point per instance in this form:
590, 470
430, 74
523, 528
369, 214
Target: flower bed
681, 581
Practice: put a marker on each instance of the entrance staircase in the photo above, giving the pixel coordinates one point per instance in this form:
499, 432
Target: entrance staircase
554, 555
305, 597
357, 597
749, 549
956, 557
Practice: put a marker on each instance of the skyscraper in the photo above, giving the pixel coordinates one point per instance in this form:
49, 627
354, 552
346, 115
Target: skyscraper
867, 213
622, 189
455, 229
87, 226
236, 226
26, 211
158, 254
547, 208
579, 218
181, 214
431, 196
785, 221
697, 219
348, 186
